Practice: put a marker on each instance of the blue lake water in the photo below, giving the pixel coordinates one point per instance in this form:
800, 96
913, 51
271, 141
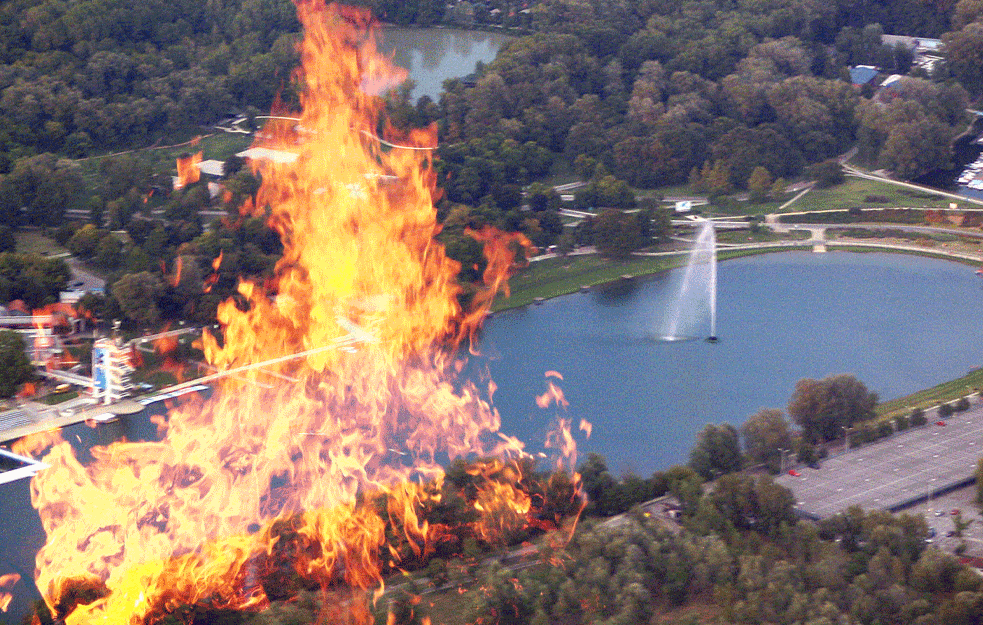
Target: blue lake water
899, 323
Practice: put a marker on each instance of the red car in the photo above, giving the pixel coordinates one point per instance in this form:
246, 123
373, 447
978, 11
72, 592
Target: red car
940, 423
794, 473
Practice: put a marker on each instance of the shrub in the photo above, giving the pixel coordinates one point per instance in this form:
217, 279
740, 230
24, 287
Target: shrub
901, 423
884, 429
945, 411
918, 417
874, 198
961, 404
807, 453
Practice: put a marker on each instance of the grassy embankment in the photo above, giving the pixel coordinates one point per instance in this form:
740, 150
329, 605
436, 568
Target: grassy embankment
863, 193
554, 277
945, 392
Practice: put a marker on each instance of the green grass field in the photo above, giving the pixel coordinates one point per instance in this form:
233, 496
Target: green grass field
553, 277
36, 242
560, 276
947, 391
219, 146
852, 194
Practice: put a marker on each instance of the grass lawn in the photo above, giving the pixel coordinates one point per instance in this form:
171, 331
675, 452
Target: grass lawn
947, 391
218, 146
561, 276
763, 235
558, 276
852, 194
57, 398
36, 242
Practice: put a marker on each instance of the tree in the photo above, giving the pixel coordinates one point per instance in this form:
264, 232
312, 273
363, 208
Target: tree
44, 187
717, 451
822, 408
542, 197
750, 503
616, 234
979, 481
964, 56
765, 435
966, 12
15, 366
137, 295
7, 241
759, 184
827, 174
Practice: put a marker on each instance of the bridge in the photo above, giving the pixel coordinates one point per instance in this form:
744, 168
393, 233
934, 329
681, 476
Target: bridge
138, 342
67, 376
27, 321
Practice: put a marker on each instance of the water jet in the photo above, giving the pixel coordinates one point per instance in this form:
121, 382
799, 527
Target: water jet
694, 300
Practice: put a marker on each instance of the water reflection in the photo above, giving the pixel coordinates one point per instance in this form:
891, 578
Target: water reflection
432, 55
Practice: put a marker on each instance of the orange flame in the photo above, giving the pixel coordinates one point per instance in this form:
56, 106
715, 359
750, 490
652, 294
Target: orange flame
338, 383
175, 279
211, 280
6, 582
187, 170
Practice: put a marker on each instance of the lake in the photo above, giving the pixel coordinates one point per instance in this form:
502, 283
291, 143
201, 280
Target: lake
432, 55
898, 323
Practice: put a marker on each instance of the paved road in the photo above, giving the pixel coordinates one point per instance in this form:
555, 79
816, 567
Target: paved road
90, 281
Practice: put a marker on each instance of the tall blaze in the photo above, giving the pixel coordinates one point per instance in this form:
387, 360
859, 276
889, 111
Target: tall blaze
187, 170
346, 384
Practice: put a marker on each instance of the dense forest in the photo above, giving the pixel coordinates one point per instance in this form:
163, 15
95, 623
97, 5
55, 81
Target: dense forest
723, 96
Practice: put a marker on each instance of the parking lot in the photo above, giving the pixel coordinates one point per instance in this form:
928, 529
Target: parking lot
938, 515
898, 472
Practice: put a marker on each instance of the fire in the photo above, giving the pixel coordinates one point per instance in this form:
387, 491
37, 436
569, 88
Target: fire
187, 170
346, 390
7, 582
175, 279
213, 278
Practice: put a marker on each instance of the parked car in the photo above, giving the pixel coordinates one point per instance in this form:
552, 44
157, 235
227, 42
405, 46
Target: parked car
940, 423
794, 473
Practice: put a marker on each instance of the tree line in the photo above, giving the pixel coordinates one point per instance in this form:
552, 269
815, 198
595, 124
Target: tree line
625, 94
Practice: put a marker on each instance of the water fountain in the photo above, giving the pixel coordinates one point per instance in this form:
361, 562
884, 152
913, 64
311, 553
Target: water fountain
694, 298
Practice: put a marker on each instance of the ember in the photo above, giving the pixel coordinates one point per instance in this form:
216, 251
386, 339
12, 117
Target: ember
319, 471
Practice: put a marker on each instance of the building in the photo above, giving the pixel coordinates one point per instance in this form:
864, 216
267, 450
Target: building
111, 370
861, 75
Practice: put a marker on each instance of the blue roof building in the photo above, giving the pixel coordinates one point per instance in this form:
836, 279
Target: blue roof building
862, 74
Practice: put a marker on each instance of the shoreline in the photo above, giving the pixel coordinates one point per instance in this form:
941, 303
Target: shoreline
926, 398
551, 289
